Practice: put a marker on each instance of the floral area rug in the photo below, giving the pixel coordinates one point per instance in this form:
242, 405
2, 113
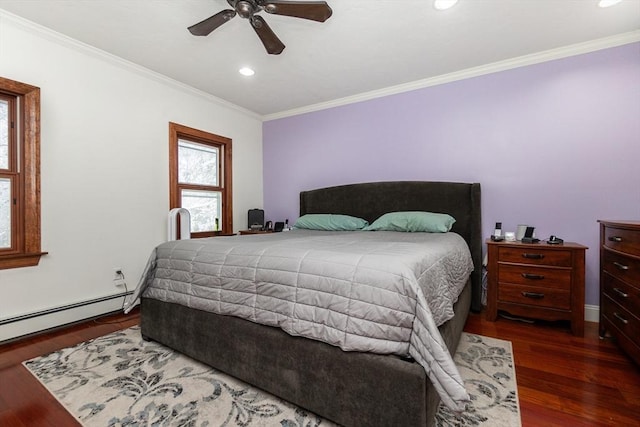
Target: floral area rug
486, 366
121, 380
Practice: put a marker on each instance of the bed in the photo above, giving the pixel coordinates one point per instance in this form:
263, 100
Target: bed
351, 388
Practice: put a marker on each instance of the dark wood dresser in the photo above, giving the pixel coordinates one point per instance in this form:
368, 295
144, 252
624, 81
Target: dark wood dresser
537, 280
620, 284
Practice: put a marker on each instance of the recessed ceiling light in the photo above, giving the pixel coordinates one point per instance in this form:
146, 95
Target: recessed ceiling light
607, 3
246, 71
444, 4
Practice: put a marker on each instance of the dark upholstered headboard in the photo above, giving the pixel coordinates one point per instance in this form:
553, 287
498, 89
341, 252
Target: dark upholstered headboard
370, 200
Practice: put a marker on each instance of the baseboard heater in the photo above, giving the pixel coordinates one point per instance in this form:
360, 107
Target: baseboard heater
62, 308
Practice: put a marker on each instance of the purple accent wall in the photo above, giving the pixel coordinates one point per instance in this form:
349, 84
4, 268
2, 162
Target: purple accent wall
555, 145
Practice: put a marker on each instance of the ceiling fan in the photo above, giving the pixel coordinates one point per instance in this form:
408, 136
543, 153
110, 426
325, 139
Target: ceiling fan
248, 9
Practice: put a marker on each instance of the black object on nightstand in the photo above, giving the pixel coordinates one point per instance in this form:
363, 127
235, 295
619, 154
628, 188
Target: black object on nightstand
555, 240
528, 236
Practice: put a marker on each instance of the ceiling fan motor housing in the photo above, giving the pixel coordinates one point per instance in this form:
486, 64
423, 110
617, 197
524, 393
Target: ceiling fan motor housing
245, 8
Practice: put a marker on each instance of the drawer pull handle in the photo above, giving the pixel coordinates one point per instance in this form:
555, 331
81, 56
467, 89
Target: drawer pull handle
621, 266
533, 256
620, 318
532, 276
621, 293
533, 295
617, 239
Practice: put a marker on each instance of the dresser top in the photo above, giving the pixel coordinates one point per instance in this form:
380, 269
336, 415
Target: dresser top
540, 245
633, 224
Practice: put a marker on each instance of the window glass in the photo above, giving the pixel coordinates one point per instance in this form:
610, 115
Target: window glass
197, 163
4, 134
5, 213
205, 208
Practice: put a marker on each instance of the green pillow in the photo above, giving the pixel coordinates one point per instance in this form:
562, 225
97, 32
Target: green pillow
330, 222
413, 221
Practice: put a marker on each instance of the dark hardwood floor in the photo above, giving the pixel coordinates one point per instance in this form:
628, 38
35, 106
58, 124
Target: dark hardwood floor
565, 380
562, 380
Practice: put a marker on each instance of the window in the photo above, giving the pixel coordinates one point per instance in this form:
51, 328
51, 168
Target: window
200, 179
19, 174
7, 171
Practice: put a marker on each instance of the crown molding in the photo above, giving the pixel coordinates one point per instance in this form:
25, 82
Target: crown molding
93, 51
521, 61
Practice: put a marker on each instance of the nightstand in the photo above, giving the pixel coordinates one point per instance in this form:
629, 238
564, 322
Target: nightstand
537, 280
247, 232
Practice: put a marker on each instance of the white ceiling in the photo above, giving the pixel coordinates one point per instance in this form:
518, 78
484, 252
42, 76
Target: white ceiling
367, 45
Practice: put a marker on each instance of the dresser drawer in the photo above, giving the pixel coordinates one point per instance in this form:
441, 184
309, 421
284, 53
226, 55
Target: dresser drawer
620, 283
622, 240
536, 256
532, 295
541, 277
623, 293
620, 266
626, 322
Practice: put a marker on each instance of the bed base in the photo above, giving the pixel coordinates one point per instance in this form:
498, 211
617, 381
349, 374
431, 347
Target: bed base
348, 388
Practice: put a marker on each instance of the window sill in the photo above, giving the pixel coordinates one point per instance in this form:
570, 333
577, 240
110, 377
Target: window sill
20, 260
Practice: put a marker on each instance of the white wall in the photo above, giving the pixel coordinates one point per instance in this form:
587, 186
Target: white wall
104, 169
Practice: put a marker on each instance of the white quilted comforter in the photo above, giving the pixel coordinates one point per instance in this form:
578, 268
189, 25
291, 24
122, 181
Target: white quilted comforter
381, 292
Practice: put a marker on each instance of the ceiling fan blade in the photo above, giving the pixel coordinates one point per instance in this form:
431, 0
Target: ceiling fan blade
269, 39
313, 10
204, 28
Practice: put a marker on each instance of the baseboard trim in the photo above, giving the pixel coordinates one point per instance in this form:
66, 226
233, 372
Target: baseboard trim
20, 326
591, 313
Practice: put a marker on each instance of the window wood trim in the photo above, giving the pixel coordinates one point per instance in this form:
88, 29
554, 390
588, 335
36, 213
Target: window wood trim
28, 251
176, 132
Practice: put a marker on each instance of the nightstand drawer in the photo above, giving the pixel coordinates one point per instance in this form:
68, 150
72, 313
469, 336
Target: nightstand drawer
622, 240
541, 277
536, 256
622, 267
626, 322
624, 294
538, 296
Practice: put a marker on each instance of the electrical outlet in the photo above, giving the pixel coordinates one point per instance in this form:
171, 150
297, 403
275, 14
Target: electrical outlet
117, 274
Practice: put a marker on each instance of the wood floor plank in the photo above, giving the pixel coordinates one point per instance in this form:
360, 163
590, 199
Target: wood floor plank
10, 418
562, 380
30, 401
539, 415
